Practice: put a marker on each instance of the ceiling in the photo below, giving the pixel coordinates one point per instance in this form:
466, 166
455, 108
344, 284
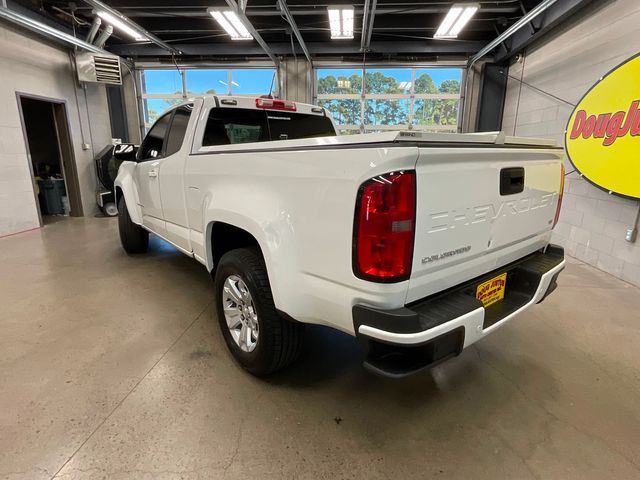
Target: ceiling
401, 27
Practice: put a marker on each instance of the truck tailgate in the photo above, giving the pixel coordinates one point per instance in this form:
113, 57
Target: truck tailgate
479, 209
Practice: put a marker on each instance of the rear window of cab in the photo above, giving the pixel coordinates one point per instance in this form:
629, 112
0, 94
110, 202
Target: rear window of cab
227, 126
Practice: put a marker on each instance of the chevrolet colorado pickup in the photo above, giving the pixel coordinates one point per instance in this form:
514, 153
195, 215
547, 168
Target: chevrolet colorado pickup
418, 244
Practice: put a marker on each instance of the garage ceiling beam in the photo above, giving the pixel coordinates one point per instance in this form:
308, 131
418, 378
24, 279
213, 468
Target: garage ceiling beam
553, 16
262, 11
98, 5
512, 30
315, 48
367, 24
294, 28
254, 33
420, 29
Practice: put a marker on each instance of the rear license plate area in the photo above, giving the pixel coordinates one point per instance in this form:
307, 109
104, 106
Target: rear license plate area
492, 291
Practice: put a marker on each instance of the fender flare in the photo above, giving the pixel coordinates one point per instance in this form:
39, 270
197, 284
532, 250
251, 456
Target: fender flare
264, 243
126, 184
235, 220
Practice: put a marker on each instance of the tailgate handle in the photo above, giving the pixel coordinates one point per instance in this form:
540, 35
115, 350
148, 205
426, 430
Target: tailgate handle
511, 180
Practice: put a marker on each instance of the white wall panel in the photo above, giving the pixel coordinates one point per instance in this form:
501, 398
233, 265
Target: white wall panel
567, 63
31, 65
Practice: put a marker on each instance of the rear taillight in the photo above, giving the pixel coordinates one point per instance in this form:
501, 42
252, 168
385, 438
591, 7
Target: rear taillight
557, 217
385, 227
276, 104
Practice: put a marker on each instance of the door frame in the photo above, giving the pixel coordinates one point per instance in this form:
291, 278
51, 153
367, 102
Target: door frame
65, 151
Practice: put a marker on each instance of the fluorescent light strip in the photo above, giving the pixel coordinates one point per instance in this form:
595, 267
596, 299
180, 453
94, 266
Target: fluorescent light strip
231, 23
463, 20
447, 23
243, 33
120, 25
341, 22
458, 16
347, 22
335, 23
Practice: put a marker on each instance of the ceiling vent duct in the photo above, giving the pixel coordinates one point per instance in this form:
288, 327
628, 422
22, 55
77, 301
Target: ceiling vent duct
98, 68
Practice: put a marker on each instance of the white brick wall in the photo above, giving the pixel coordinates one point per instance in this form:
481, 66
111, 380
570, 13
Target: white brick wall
567, 63
29, 64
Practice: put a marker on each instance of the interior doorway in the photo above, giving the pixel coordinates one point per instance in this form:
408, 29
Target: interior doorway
55, 180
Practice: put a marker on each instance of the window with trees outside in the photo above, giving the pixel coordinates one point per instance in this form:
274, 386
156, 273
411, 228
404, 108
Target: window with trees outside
163, 88
376, 99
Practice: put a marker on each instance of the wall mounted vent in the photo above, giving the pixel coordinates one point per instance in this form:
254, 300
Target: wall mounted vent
99, 68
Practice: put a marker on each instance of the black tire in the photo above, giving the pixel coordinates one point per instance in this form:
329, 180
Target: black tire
279, 340
134, 238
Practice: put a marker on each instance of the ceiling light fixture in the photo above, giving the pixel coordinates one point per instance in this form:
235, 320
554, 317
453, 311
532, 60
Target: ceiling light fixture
458, 16
121, 25
341, 22
230, 22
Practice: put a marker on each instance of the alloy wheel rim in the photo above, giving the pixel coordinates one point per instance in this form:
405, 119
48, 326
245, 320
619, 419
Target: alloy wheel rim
240, 313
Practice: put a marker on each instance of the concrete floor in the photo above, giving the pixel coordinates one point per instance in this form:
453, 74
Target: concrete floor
113, 367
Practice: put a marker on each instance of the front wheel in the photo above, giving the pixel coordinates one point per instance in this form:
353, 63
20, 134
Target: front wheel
133, 237
257, 336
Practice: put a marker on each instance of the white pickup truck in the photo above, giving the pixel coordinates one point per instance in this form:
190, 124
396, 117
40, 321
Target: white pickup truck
418, 244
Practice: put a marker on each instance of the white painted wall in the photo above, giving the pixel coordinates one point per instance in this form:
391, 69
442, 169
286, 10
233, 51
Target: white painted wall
32, 65
567, 63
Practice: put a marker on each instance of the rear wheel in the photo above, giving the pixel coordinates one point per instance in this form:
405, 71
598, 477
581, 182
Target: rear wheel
134, 238
257, 336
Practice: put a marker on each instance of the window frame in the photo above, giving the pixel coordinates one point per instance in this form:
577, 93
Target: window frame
216, 108
411, 95
184, 135
267, 126
209, 103
161, 153
170, 97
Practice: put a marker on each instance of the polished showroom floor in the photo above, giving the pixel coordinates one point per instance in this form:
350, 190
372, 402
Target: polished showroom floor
113, 367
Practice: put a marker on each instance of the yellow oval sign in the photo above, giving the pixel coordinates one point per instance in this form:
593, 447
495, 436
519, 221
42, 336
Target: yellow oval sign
603, 134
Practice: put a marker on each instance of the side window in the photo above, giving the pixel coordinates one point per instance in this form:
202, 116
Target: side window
152, 144
227, 126
178, 129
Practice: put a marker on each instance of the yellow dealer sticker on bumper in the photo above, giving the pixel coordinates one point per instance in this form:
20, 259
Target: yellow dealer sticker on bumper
492, 291
603, 134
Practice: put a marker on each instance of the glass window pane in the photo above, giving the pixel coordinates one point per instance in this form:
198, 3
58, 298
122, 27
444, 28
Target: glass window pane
162, 81
292, 126
388, 80
155, 107
438, 80
386, 112
152, 144
207, 81
344, 112
436, 112
178, 129
255, 81
339, 81
235, 125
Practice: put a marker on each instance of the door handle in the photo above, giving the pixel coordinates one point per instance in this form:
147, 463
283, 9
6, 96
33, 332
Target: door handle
153, 173
511, 180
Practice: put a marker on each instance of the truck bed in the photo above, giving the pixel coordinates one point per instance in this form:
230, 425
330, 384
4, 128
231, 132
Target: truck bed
403, 138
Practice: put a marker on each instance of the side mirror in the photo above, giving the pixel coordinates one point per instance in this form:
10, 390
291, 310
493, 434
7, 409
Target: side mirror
125, 152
